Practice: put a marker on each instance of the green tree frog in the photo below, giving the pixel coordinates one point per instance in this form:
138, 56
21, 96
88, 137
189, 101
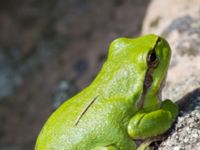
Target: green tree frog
123, 103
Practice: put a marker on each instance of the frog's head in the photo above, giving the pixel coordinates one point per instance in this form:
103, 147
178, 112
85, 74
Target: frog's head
150, 56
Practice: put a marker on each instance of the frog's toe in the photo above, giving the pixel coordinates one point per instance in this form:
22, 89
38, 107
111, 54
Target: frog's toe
171, 107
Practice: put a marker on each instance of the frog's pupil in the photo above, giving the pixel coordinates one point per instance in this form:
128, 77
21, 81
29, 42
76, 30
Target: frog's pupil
152, 57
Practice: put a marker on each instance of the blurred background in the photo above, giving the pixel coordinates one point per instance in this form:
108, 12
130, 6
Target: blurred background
50, 50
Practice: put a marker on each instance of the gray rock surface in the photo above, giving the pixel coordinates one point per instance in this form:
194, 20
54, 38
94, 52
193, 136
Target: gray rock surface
186, 132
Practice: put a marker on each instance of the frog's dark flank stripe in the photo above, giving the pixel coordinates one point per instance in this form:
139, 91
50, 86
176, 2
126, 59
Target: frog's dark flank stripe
84, 111
140, 103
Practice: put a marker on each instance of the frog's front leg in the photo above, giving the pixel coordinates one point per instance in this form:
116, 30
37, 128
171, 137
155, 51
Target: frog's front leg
145, 125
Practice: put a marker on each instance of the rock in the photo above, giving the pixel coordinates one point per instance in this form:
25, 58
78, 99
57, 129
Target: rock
157, 20
187, 132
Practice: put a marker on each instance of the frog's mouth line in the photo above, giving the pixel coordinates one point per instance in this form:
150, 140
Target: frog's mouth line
147, 84
148, 79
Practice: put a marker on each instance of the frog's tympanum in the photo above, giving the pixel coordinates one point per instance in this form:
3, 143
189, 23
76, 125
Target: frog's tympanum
121, 105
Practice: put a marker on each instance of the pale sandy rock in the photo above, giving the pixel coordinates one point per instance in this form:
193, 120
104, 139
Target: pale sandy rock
160, 13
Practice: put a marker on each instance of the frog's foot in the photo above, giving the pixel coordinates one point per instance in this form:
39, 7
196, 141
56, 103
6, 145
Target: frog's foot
145, 125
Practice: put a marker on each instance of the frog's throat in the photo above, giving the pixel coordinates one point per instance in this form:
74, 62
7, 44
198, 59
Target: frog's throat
162, 84
147, 84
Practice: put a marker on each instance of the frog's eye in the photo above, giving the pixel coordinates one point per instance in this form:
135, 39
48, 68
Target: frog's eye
152, 59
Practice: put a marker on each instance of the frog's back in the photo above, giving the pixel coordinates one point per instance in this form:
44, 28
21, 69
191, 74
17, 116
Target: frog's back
84, 122
60, 130
98, 115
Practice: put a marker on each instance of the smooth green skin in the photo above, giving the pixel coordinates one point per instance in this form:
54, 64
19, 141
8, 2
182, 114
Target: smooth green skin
106, 114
